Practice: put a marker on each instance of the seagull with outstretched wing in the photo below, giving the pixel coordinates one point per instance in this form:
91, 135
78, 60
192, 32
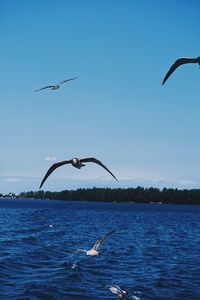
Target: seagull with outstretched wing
179, 62
95, 249
77, 163
55, 86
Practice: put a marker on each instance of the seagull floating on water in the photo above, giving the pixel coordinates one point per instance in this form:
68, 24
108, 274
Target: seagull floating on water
77, 163
94, 251
115, 289
179, 62
55, 86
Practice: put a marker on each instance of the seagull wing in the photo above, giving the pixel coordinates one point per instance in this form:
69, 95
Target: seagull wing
67, 80
115, 289
177, 63
94, 160
46, 87
53, 167
101, 240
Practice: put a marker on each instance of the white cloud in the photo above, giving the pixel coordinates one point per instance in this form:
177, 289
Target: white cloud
12, 179
50, 158
187, 182
125, 178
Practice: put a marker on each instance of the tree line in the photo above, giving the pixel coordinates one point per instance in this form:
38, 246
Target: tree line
136, 195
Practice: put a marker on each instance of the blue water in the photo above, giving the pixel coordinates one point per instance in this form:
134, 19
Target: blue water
154, 253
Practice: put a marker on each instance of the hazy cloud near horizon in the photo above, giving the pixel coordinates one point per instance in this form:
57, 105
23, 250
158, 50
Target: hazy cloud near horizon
50, 158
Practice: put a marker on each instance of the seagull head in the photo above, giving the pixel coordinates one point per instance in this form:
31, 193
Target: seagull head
55, 87
77, 163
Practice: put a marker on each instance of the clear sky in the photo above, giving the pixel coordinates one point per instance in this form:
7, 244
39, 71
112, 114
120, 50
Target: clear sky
117, 110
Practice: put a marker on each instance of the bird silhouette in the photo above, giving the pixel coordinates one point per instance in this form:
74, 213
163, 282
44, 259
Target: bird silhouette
179, 62
55, 86
77, 163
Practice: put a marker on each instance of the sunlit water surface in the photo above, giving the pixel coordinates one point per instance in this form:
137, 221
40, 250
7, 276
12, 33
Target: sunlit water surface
154, 253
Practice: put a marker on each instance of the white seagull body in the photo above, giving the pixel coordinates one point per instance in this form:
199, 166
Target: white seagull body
55, 86
179, 62
77, 163
115, 289
94, 251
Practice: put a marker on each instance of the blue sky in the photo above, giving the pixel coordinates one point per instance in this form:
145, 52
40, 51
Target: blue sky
117, 110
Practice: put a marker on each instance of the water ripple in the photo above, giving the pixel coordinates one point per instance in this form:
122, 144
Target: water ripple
153, 254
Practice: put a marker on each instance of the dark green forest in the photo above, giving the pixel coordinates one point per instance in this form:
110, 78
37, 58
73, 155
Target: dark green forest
135, 195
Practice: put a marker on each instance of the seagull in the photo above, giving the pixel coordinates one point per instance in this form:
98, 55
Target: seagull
115, 289
179, 62
55, 86
77, 163
94, 251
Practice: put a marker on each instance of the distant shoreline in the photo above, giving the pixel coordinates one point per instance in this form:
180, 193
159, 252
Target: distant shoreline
121, 195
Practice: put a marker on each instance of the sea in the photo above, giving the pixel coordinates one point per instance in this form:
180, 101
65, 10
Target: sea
154, 252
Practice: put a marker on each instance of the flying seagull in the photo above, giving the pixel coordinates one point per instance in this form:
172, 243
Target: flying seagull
179, 62
94, 251
55, 86
115, 289
77, 163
